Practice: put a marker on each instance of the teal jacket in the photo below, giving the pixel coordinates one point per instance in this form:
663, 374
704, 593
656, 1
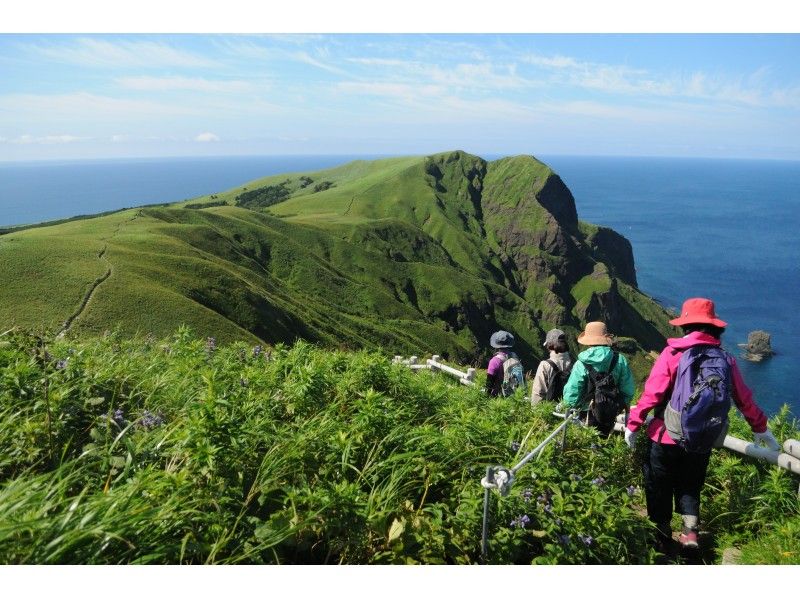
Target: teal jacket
599, 358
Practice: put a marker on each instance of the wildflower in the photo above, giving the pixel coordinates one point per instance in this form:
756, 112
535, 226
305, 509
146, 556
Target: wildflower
515, 446
575, 477
527, 494
598, 481
594, 446
631, 490
257, 350
119, 417
587, 539
548, 508
211, 344
61, 364
243, 382
520, 521
563, 539
543, 498
559, 522
150, 420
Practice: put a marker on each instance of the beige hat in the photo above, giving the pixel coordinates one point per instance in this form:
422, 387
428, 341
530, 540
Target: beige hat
595, 334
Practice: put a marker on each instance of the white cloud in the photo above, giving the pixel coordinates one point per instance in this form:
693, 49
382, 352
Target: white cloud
43, 139
82, 106
400, 91
206, 137
145, 83
751, 90
306, 58
119, 53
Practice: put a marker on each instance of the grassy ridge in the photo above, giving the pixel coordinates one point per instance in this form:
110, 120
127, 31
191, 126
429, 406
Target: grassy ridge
404, 255
180, 450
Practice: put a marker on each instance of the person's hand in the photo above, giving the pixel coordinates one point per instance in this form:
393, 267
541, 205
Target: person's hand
767, 438
630, 437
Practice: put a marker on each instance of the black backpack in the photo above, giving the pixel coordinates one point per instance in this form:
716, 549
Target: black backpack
559, 377
605, 399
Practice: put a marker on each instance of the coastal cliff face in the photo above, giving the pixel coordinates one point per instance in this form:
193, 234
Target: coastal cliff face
409, 255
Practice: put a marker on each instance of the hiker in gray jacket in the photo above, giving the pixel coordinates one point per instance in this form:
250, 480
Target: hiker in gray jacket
552, 373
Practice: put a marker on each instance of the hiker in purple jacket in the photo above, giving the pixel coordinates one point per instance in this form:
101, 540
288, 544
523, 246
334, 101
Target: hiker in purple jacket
503, 341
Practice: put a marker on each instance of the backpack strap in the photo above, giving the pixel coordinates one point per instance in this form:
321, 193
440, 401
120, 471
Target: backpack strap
659, 409
555, 369
614, 359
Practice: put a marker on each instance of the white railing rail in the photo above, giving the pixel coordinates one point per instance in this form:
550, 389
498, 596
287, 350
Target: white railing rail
434, 363
788, 459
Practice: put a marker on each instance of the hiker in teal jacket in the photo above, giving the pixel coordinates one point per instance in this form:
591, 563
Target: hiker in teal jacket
599, 356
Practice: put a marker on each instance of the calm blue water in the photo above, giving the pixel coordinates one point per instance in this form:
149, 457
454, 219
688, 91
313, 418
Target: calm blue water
33, 192
724, 229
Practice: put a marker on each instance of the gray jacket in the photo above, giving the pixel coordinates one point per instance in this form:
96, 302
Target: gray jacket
544, 374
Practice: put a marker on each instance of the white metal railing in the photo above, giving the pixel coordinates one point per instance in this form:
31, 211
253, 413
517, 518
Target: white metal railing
788, 459
434, 363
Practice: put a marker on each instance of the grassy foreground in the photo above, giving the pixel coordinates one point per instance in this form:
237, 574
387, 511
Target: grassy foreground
118, 450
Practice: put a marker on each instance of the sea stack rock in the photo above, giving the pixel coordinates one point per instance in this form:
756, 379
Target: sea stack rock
758, 346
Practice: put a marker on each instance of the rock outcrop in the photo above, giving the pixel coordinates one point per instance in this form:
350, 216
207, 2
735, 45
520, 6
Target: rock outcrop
758, 346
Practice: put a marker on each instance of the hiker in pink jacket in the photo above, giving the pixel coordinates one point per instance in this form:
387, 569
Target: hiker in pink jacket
670, 471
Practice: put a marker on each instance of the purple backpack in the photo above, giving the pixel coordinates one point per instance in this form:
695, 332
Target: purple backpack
696, 416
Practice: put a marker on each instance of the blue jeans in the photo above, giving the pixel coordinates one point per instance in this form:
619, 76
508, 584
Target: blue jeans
672, 474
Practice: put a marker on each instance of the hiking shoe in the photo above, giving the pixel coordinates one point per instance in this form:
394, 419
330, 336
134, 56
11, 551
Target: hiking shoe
688, 538
663, 537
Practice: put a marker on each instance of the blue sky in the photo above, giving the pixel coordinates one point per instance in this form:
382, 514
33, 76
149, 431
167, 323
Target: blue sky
68, 96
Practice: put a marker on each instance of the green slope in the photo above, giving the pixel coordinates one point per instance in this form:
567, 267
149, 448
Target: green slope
409, 255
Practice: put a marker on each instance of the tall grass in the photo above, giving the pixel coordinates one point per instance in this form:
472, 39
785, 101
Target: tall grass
181, 451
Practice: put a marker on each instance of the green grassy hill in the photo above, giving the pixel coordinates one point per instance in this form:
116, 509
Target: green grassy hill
409, 255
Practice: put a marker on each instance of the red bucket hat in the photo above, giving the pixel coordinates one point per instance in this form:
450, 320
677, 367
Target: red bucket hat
698, 311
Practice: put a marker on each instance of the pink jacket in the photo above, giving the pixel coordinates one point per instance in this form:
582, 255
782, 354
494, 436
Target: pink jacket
658, 388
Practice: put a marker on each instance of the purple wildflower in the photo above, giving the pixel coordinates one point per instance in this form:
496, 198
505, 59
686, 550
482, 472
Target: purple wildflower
211, 344
150, 420
548, 508
563, 539
61, 364
257, 350
599, 481
527, 494
631, 490
587, 539
514, 446
575, 477
119, 417
520, 521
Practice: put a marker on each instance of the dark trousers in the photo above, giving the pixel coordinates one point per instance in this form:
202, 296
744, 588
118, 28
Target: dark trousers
672, 474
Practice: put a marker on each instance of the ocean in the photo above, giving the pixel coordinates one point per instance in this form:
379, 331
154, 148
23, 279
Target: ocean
723, 229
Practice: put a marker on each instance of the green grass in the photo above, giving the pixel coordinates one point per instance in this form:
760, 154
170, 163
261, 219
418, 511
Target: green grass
403, 255
185, 450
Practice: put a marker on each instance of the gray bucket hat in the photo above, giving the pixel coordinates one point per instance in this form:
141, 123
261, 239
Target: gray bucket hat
553, 336
502, 340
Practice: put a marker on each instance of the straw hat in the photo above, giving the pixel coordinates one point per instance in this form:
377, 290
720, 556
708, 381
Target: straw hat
698, 311
595, 334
